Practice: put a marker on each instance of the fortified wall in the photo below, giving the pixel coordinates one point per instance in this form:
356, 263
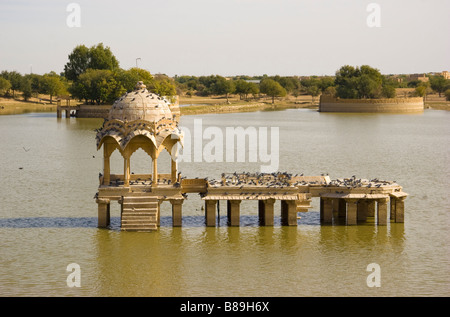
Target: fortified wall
391, 105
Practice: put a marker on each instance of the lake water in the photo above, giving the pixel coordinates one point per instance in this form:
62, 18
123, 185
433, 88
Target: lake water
48, 217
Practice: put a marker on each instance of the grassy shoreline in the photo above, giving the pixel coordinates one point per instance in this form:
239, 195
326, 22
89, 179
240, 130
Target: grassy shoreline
194, 109
196, 105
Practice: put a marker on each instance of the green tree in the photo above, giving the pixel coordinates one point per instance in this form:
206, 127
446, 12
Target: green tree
101, 57
82, 58
314, 91
388, 87
288, 83
368, 86
36, 82
272, 88
97, 86
5, 85
15, 79
51, 84
438, 84
420, 91
222, 86
245, 88
78, 62
370, 82
127, 79
163, 85
325, 82
330, 91
25, 87
359, 82
447, 94
388, 91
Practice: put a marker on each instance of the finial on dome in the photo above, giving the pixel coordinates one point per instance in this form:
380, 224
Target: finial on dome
140, 85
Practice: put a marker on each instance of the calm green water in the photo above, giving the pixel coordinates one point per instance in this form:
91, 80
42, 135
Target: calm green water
48, 216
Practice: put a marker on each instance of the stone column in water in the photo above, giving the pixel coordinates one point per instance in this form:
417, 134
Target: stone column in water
400, 209
327, 215
362, 210
392, 208
233, 212
342, 209
382, 211
103, 213
321, 202
352, 210
288, 213
371, 207
265, 211
210, 213
176, 212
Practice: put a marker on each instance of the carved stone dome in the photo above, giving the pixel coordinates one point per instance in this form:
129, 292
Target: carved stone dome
140, 104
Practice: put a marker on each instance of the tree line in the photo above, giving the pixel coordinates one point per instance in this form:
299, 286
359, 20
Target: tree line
32, 84
93, 75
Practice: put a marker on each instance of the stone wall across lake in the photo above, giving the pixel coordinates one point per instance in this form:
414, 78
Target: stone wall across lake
392, 105
93, 111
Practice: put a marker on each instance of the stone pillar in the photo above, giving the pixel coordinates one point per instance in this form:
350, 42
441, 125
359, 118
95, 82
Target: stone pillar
342, 208
106, 166
288, 213
334, 205
176, 212
126, 172
233, 212
67, 114
362, 210
352, 210
155, 173
210, 213
392, 208
327, 214
265, 212
371, 207
382, 211
173, 171
58, 112
103, 213
321, 208
400, 209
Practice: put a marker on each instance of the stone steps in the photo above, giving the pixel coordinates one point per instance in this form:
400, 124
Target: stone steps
139, 213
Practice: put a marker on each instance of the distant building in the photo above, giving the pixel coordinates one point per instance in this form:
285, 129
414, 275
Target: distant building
446, 74
419, 77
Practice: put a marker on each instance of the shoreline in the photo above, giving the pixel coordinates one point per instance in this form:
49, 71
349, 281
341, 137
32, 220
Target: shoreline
199, 105
235, 108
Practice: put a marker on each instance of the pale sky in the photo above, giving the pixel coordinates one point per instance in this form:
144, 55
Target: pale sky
230, 37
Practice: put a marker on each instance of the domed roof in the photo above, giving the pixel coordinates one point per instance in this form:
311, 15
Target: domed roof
140, 104
141, 114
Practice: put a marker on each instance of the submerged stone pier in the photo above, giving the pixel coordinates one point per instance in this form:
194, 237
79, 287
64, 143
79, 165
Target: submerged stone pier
342, 201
